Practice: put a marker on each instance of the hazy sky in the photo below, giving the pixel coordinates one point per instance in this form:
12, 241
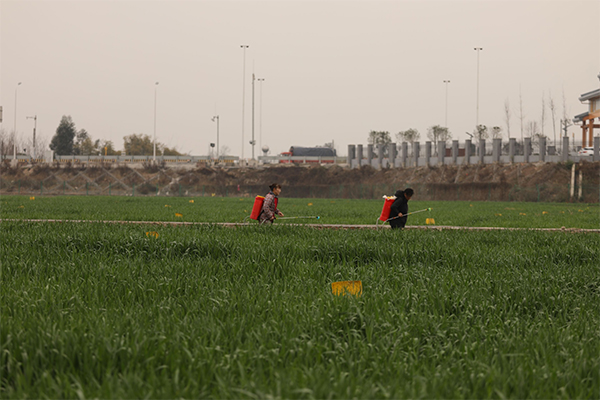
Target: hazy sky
333, 70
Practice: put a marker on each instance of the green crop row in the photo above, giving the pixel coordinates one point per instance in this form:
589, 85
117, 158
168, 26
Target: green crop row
111, 311
331, 211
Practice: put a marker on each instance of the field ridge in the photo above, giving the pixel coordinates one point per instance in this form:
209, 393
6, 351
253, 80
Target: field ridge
316, 226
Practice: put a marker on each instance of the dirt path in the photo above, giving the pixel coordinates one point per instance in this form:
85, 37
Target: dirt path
316, 226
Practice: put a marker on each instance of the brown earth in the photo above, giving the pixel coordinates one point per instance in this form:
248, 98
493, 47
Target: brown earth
527, 182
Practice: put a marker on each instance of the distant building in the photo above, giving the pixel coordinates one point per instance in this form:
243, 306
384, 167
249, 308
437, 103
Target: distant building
586, 119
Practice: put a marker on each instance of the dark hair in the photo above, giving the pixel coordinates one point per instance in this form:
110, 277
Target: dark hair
275, 186
409, 192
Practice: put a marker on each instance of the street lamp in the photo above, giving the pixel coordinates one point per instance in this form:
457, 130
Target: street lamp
154, 152
446, 121
244, 47
34, 118
477, 111
216, 117
261, 80
253, 142
15, 126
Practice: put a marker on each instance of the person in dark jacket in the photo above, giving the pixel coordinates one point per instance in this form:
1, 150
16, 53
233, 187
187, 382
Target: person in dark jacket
399, 208
269, 209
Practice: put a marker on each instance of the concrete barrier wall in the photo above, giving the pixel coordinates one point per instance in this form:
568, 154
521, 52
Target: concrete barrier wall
407, 155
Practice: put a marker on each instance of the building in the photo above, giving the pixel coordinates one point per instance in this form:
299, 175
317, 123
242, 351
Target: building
586, 119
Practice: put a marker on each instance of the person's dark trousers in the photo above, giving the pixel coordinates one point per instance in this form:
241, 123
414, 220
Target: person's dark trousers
398, 223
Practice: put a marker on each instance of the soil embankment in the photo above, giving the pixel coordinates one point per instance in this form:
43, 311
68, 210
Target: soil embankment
523, 182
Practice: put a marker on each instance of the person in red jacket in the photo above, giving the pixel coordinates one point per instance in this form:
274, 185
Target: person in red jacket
269, 208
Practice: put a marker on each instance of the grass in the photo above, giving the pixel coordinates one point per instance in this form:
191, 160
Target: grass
331, 211
208, 312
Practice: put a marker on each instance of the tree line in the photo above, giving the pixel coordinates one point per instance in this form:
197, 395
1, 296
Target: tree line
69, 141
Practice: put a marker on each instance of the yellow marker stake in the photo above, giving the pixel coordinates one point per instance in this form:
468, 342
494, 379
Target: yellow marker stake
347, 287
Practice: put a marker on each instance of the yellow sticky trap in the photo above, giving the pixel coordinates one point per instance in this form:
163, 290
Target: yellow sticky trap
191, 201
166, 205
32, 198
310, 204
522, 214
544, 212
347, 287
152, 234
430, 221
178, 215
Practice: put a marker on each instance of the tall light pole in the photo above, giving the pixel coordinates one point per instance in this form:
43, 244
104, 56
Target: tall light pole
34, 118
216, 118
253, 142
477, 110
261, 80
155, 90
15, 125
446, 120
244, 47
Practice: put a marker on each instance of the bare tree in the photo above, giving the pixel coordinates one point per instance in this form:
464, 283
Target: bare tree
532, 129
437, 134
543, 118
224, 150
521, 115
481, 132
507, 116
411, 135
565, 111
553, 115
9, 142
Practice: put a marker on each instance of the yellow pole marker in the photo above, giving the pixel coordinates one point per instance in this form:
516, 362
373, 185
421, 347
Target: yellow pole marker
347, 287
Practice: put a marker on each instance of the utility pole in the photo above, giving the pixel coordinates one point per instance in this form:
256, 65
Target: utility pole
477, 110
244, 47
253, 142
154, 150
261, 80
15, 129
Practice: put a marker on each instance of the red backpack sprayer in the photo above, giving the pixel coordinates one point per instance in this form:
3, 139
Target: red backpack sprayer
385, 212
257, 208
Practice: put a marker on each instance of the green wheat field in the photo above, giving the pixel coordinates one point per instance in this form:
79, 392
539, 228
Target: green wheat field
205, 311
331, 211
